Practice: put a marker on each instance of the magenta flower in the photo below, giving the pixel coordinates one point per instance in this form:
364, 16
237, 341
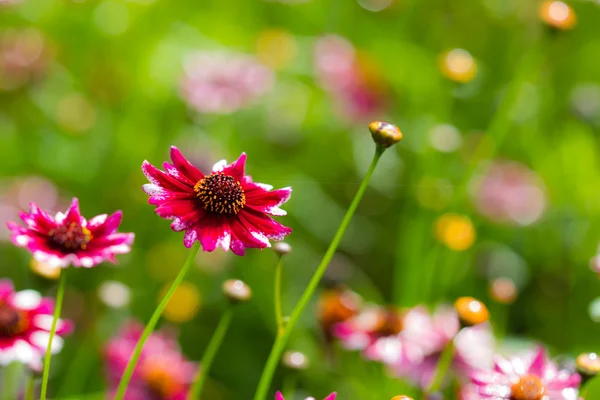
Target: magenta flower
509, 192
224, 208
533, 377
25, 322
223, 83
332, 396
162, 372
69, 239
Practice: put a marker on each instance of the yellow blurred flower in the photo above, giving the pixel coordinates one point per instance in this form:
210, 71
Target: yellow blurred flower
276, 48
184, 304
458, 65
455, 231
44, 269
557, 15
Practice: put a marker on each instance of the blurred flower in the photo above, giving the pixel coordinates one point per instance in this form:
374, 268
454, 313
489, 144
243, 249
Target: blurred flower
294, 360
70, 239
44, 269
336, 305
114, 294
23, 57
455, 231
509, 192
25, 321
162, 372
332, 396
276, 48
184, 303
223, 209
354, 81
236, 290
558, 15
458, 65
223, 83
471, 311
503, 290
525, 377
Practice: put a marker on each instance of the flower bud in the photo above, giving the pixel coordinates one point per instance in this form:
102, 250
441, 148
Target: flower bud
588, 365
237, 290
385, 134
402, 397
471, 311
557, 15
282, 248
294, 360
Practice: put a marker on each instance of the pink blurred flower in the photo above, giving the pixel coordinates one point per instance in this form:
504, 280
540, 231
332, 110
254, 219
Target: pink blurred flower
25, 321
351, 79
23, 56
526, 377
595, 262
332, 396
69, 239
162, 372
509, 192
224, 208
223, 83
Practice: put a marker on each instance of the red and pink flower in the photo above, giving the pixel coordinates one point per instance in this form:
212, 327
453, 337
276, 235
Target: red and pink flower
25, 322
332, 396
526, 377
162, 372
225, 208
69, 239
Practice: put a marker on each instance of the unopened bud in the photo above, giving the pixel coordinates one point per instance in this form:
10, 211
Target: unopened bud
402, 397
294, 360
503, 290
282, 248
385, 134
237, 290
588, 365
557, 15
471, 311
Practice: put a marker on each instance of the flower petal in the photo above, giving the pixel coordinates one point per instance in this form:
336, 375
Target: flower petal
264, 224
236, 168
214, 231
184, 166
164, 180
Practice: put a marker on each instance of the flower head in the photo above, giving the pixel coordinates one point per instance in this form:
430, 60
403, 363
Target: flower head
224, 208
223, 83
25, 321
69, 239
531, 377
162, 372
332, 396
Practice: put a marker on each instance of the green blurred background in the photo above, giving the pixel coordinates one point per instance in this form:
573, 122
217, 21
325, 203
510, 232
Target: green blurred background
103, 94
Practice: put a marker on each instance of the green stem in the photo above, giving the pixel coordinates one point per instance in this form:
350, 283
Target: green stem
57, 308
30, 394
442, 368
281, 340
209, 354
277, 295
152, 323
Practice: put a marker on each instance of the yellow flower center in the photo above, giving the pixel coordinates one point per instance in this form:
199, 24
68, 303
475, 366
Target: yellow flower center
529, 387
159, 379
12, 322
221, 194
71, 237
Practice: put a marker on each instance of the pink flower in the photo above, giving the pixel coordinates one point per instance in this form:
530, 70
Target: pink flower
223, 83
352, 80
529, 377
69, 239
509, 192
332, 396
25, 322
162, 372
224, 208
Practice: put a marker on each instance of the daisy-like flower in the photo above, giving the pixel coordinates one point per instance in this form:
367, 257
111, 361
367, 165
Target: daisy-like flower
69, 239
223, 83
162, 372
224, 208
530, 377
332, 396
25, 322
